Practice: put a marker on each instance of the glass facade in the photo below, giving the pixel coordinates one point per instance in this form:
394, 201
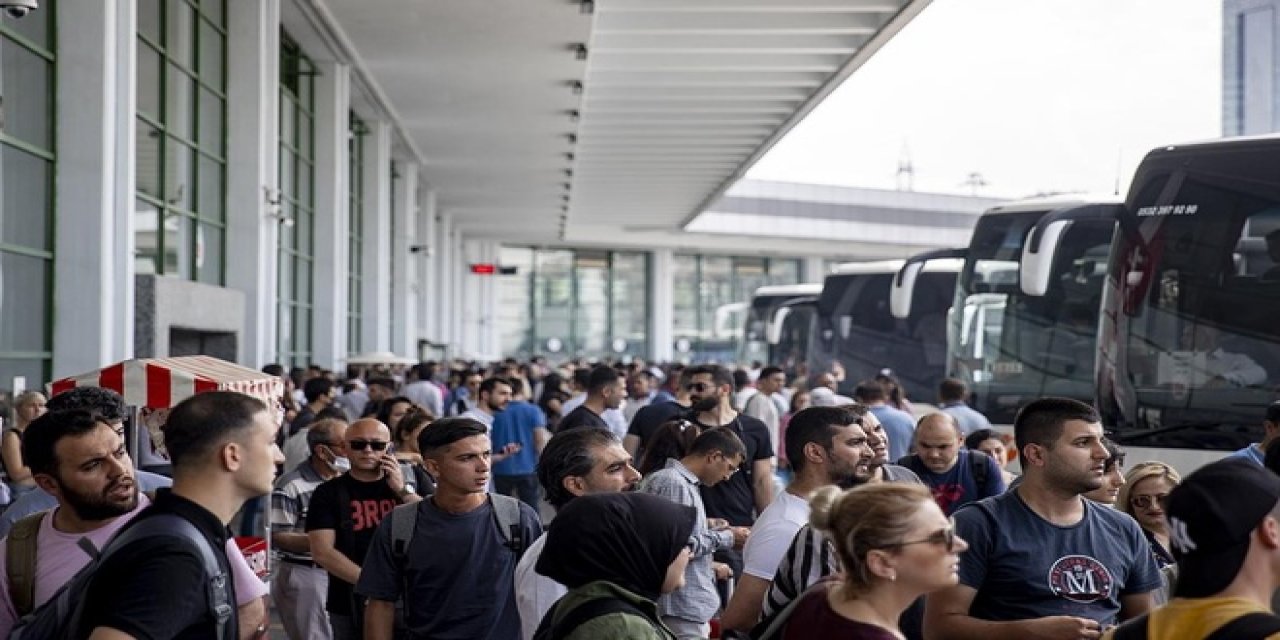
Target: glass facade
180, 214
711, 297
355, 245
27, 67
297, 202
567, 303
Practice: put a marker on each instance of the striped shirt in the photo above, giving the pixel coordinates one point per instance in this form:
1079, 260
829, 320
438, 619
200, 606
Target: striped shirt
289, 502
698, 600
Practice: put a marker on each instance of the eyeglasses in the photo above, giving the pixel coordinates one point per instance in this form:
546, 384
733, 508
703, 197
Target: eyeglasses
698, 386
946, 537
361, 445
1148, 502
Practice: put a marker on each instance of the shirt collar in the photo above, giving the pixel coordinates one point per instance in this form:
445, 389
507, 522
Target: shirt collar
684, 471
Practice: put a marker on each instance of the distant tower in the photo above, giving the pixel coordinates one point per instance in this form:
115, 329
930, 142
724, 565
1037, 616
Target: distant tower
975, 181
906, 170
1250, 74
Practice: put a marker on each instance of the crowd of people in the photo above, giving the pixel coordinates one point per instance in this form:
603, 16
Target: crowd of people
525, 501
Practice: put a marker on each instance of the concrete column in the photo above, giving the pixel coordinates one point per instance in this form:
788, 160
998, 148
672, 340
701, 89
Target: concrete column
444, 302
93, 249
661, 305
471, 293
813, 270
490, 300
253, 86
403, 297
332, 213
377, 239
458, 277
425, 259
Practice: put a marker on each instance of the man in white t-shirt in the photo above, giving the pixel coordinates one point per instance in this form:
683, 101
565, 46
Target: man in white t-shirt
826, 445
574, 463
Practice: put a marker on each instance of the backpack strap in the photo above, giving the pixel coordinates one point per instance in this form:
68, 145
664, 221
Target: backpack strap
1250, 626
1133, 629
404, 520
981, 471
506, 514
550, 629
20, 562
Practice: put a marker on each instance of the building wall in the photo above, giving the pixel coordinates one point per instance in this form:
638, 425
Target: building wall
1251, 67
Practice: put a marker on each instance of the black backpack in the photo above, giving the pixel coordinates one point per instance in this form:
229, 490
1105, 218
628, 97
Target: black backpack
60, 617
977, 464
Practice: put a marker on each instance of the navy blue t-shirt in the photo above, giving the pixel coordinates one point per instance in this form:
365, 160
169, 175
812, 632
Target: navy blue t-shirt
1025, 567
959, 486
464, 593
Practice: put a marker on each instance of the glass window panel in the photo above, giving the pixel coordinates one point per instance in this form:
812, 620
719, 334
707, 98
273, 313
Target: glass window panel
149, 145
179, 175
286, 277
180, 106
684, 271
302, 278
35, 371
630, 302
301, 330
287, 115
214, 11
150, 13
180, 33
210, 203
306, 131
26, 187
179, 245
287, 164
783, 271
212, 60
714, 292
591, 307
515, 295
305, 193
27, 80
36, 26
211, 121
150, 66
553, 300
302, 223
145, 221
287, 230
286, 327
209, 254
24, 286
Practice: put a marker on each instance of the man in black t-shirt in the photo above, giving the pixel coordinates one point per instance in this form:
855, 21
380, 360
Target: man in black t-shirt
647, 420
604, 391
224, 452
344, 514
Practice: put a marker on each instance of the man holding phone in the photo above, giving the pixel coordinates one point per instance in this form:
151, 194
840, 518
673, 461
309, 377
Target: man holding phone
344, 513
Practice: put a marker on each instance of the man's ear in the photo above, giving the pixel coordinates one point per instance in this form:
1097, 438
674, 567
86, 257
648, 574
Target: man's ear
814, 453
48, 483
574, 485
432, 466
231, 455
1033, 454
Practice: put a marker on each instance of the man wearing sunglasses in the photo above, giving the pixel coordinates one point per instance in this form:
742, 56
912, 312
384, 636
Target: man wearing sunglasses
344, 514
1043, 562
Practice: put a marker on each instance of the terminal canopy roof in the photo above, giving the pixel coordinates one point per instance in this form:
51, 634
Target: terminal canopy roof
588, 121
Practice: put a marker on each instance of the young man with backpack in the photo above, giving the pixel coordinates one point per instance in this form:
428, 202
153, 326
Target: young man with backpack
955, 475
165, 574
449, 559
344, 513
1224, 523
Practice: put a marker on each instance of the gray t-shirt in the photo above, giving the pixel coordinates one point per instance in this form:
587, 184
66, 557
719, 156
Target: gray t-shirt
459, 573
1025, 567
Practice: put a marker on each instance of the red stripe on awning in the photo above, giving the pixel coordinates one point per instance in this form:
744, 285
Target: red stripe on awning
204, 384
112, 378
159, 387
61, 385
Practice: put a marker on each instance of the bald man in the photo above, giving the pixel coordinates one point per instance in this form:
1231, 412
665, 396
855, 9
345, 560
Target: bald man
956, 475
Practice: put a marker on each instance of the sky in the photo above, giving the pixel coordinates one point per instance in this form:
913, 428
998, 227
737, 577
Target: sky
1035, 95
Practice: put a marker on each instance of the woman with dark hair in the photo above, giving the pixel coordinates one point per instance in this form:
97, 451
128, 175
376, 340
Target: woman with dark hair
893, 391
1112, 475
672, 440
616, 553
393, 410
552, 400
996, 445
405, 435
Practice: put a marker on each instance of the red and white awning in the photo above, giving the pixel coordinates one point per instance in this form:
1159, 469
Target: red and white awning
160, 383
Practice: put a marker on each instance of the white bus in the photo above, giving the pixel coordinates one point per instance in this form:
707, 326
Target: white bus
763, 321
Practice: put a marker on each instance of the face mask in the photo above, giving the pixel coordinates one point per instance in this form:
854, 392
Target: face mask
341, 464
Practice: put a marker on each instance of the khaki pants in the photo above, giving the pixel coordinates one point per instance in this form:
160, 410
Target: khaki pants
687, 629
299, 594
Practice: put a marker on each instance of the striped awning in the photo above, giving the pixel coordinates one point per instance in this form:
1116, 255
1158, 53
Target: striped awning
160, 383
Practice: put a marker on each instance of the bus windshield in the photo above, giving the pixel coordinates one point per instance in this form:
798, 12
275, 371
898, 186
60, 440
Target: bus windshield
793, 338
1011, 348
854, 327
1190, 344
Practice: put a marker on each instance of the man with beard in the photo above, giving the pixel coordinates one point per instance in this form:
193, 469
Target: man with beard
605, 392
344, 514
1043, 562
956, 476
826, 445
492, 397
79, 459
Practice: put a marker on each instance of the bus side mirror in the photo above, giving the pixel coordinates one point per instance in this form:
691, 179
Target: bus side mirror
1037, 257
773, 330
904, 286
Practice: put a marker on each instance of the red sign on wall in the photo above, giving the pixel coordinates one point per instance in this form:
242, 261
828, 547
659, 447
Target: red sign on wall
483, 268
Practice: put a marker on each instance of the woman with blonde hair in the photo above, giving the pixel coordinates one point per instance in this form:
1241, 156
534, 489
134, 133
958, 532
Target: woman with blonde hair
1146, 487
28, 406
894, 545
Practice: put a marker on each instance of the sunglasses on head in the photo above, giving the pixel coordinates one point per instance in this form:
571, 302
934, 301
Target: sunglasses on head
361, 445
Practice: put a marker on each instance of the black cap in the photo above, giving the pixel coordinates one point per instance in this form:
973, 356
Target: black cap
1212, 515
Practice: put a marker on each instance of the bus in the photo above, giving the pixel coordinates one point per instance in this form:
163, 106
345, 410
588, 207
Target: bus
793, 326
1189, 342
1010, 338
761, 321
855, 329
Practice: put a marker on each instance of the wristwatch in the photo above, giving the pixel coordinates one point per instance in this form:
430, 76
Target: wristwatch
408, 490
